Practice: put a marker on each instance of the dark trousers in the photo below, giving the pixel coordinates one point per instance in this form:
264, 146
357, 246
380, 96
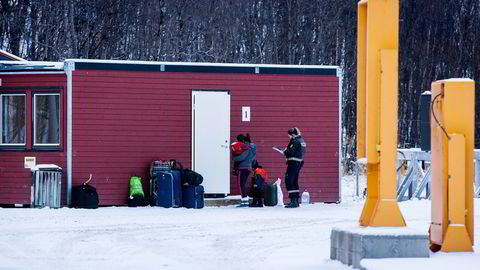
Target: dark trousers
243, 175
258, 185
291, 178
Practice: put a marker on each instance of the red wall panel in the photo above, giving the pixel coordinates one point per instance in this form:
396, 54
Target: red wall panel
15, 180
124, 120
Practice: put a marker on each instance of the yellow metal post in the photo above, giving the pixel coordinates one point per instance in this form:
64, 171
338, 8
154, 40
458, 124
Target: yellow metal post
452, 137
377, 88
361, 77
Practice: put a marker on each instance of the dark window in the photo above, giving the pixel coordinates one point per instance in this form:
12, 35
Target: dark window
13, 119
46, 119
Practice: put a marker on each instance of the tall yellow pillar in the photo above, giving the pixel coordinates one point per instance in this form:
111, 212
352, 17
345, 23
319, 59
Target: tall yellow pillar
452, 137
377, 88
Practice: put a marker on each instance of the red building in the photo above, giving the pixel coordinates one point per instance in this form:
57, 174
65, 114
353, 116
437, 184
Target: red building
112, 118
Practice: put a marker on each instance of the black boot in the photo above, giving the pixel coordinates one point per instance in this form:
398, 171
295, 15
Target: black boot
254, 203
293, 203
260, 202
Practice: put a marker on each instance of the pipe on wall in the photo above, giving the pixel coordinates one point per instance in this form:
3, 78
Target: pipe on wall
69, 68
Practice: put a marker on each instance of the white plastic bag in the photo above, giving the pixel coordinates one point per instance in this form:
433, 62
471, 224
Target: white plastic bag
279, 192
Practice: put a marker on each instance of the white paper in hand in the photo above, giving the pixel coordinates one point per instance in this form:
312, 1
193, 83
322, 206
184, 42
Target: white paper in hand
278, 149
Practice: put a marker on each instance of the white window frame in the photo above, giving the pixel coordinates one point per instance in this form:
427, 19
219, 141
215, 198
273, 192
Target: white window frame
1, 124
35, 122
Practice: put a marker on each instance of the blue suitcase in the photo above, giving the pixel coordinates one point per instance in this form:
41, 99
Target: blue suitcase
168, 189
193, 196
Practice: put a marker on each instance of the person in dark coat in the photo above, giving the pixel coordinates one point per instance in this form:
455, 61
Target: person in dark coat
259, 177
294, 154
245, 161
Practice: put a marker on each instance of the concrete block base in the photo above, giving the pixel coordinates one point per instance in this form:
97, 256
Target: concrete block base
350, 245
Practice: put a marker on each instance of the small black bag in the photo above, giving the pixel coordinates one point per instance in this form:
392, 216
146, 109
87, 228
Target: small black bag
190, 177
136, 200
84, 196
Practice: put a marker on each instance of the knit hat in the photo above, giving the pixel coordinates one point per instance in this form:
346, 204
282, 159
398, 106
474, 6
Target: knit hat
294, 132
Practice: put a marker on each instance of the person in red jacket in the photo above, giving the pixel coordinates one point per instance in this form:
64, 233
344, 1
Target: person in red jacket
238, 148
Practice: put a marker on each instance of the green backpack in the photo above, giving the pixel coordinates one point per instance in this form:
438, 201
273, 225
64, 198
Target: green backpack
136, 186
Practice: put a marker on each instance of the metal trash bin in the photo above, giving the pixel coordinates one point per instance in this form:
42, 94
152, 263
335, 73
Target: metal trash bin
46, 186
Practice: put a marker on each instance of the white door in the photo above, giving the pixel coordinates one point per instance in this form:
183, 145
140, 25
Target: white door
211, 139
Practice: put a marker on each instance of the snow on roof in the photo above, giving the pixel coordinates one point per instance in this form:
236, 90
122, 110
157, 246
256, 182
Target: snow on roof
47, 167
59, 66
194, 64
29, 65
458, 80
11, 56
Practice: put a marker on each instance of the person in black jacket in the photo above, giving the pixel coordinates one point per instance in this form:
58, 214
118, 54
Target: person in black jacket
294, 154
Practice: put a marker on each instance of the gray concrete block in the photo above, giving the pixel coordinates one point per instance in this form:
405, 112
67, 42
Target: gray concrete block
333, 244
352, 245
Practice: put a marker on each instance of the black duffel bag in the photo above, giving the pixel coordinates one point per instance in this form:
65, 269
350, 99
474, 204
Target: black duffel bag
84, 196
136, 200
190, 177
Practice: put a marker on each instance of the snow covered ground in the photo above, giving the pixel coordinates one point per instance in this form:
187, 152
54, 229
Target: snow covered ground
209, 238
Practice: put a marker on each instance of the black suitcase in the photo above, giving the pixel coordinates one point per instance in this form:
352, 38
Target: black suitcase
85, 196
193, 196
271, 198
168, 189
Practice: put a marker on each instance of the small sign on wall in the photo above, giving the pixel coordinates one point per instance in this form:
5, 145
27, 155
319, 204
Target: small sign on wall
246, 114
30, 162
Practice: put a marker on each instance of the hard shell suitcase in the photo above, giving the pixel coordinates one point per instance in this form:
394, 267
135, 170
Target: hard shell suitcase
192, 196
168, 191
271, 198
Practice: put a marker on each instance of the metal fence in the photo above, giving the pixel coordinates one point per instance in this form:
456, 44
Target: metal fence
416, 181
46, 188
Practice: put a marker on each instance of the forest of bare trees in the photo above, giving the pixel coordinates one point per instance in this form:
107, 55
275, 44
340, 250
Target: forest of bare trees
438, 39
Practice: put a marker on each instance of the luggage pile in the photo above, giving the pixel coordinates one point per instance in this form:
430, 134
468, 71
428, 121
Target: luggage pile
173, 186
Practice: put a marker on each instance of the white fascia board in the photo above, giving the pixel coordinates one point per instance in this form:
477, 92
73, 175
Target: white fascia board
196, 64
30, 65
340, 87
12, 56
